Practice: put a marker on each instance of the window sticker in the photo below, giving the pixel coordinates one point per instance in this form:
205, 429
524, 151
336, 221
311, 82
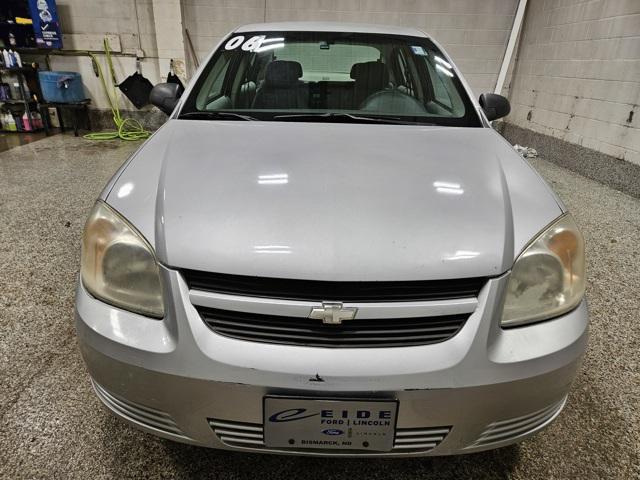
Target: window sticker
253, 43
418, 50
257, 43
234, 43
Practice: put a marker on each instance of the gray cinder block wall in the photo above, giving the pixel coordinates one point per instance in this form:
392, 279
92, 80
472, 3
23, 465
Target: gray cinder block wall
576, 75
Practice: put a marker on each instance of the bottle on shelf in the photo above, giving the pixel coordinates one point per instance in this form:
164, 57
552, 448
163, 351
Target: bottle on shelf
8, 122
12, 57
16, 94
37, 121
16, 56
54, 121
6, 57
18, 122
5, 91
27, 122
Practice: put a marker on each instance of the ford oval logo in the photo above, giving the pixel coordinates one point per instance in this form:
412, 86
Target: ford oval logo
332, 431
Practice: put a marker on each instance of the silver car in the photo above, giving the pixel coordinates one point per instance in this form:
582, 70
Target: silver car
327, 250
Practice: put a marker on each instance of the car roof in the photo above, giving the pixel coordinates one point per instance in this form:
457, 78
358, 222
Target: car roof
330, 27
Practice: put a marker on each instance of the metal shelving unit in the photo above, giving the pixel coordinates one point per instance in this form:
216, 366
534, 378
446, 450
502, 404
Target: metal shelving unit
26, 102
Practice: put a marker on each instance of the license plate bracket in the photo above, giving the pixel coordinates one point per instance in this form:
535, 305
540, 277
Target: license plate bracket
321, 423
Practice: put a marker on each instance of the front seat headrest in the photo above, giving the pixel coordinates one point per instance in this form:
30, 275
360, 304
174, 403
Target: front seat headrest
282, 74
370, 72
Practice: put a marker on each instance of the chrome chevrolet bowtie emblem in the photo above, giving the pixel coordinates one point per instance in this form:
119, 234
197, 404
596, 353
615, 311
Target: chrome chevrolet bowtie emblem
333, 313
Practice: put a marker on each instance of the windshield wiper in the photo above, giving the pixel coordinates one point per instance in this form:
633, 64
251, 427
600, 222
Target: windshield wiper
329, 117
348, 117
215, 115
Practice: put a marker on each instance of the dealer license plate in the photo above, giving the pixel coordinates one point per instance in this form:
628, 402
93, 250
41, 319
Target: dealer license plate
329, 424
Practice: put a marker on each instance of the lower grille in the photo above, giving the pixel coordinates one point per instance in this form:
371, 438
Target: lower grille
238, 434
250, 435
419, 439
511, 429
145, 416
400, 332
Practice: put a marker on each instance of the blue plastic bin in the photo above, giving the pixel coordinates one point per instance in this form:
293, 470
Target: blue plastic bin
61, 87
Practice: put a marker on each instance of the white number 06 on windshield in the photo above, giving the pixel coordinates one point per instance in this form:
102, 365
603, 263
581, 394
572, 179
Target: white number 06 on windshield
257, 43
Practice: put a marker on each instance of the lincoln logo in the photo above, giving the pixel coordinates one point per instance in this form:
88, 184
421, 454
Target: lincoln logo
333, 313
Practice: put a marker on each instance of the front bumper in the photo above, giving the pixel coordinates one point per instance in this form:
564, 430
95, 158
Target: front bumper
484, 388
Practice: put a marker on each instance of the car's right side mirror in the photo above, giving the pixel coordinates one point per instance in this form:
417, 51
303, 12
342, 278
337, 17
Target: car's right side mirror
165, 96
495, 106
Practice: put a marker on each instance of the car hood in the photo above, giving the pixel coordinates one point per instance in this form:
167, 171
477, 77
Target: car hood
332, 201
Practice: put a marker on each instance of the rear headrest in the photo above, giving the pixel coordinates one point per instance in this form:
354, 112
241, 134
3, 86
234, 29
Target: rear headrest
371, 72
282, 73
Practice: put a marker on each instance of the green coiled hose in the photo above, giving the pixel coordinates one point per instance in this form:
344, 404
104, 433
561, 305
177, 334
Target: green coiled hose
127, 128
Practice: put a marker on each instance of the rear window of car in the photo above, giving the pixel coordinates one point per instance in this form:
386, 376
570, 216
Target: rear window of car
330, 63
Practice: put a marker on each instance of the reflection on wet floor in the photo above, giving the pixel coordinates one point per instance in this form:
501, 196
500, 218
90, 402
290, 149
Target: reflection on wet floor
12, 139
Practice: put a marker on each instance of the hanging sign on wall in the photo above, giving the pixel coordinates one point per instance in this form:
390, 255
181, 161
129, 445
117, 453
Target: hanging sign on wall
46, 25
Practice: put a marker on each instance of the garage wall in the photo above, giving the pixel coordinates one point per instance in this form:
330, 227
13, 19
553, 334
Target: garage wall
474, 32
577, 74
121, 17
209, 21
131, 27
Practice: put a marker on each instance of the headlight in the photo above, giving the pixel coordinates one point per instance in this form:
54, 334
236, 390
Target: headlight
118, 266
548, 278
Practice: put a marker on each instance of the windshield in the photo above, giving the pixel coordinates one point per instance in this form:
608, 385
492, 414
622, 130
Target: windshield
325, 76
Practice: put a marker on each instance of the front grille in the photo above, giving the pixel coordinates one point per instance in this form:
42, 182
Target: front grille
399, 332
250, 435
290, 289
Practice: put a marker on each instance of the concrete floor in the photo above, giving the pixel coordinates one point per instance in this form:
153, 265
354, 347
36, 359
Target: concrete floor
9, 140
52, 426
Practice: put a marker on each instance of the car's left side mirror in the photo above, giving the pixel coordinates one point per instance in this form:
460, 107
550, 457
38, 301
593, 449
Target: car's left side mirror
495, 106
165, 96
